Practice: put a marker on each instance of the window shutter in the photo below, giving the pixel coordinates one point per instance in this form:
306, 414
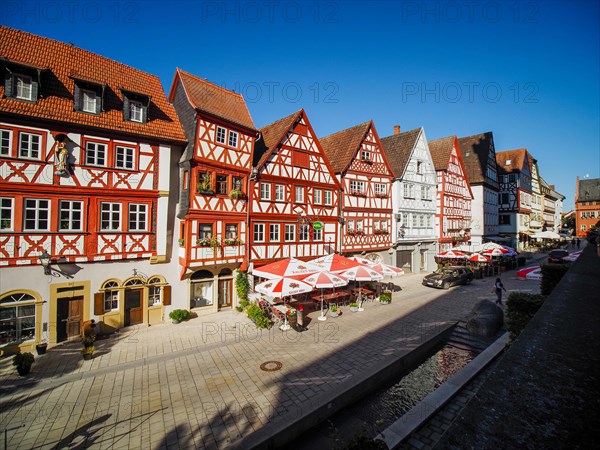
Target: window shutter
99, 303
34, 90
166, 295
144, 114
8, 85
125, 108
98, 103
76, 98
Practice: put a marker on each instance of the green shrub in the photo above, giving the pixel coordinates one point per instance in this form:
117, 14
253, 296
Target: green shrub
179, 314
258, 316
521, 307
386, 296
242, 285
551, 276
23, 359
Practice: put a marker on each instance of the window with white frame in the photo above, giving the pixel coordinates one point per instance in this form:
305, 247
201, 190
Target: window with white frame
299, 197
154, 291
357, 187
380, 190
95, 154
236, 183
205, 231
290, 232
279, 193
17, 318
6, 211
110, 216
221, 184
350, 225
304, 232
328, 198
70, 213
415, 220
317, 235
421, 221
111, 296
36, 215
231, 231
274, 232
429, 220
359, 225
408, 190
317, 196
29, 145
265, 191
233, 139
221, 133
365, 155
138, 217
24, 87
404, 220
124, 157
425, 193
89, 101
136, 111
5, 142
259, 232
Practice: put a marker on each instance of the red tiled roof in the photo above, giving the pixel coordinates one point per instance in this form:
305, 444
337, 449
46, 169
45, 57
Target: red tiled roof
341, 147
66, 62
272, 135
516, 158
215, 100
440, 150
398, 148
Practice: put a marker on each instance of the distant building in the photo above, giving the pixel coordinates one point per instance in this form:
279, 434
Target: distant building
454, 196
587, 205
362, 168
536, 222
413, 199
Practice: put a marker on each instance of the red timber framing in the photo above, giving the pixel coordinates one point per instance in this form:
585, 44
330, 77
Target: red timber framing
218, 162
454, 196
294, 188
361, 166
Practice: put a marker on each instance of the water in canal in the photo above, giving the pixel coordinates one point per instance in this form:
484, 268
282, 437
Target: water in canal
376, 411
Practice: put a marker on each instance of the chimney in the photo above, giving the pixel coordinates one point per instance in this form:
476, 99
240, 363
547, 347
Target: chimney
396, 129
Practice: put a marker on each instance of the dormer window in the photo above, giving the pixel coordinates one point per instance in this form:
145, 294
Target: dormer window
87, 96
89, 101
135, 106
508, 162
24, 87
22, 81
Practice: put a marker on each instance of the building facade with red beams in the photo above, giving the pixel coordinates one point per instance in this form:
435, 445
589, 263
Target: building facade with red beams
294, 194
214, 174
86, 152
454, 196
361, 166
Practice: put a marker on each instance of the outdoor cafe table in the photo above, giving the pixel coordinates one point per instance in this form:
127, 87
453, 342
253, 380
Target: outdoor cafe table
334, 297
363, 292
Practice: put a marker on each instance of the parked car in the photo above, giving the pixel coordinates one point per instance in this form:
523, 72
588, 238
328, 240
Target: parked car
448, 276
557, 256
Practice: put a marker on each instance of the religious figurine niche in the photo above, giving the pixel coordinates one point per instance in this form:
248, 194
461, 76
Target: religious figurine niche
62, 159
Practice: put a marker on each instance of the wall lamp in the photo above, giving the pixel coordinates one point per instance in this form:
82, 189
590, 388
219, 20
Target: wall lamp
45, 262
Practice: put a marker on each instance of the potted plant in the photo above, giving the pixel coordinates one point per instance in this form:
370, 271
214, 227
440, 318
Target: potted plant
354, 307
203, 186
41, 347
181, 242
291, 317
334, 311
23, 362
88, 352
177, 315
385, 298
88, 340
235, 194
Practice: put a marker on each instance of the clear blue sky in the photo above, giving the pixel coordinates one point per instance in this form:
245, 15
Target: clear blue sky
528, 71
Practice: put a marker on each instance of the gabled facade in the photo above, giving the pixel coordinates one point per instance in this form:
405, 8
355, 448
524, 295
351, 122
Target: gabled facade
294, 194
514, 197
215, 171
87, 146
558, 208
454, 196
549, 205
479, 158
536, 222
587, 205
361, 166
413, 199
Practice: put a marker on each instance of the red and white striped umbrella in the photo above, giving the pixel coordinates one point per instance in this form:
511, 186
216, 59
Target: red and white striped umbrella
283, 287
289, 267
476, 257
323, 280
361, 273
334, 263
386, 270
530, 273
452, 254
498, 251
363, 261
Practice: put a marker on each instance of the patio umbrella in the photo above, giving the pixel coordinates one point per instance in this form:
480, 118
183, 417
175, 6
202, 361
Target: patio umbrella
530, 273
283, 287
546, 235
363, 261
452, 254
498, 251
476, 257
572, 257
386, 270
361, 273
334, 263
322, 280
490, 245
289, 267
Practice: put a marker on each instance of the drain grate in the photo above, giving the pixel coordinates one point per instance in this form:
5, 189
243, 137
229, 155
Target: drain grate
271, 366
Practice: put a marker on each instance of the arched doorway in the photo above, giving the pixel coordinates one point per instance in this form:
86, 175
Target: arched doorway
134, 309
225, 288
201, 292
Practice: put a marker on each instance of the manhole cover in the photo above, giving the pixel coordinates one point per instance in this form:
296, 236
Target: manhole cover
271, 366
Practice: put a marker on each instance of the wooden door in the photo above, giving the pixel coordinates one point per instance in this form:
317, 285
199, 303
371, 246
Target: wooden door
225, 288
69, 318
134, 311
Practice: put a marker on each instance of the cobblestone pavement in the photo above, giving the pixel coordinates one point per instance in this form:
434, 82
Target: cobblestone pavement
198, 384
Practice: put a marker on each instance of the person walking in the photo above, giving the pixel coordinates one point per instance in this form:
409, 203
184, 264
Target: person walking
498, 288
578, 243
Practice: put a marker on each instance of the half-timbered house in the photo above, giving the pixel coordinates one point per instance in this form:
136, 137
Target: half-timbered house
514, 196
536, 222
454, 196
215, 171
362, 168
479, 158
86, 152
587, 205
413, 199
294, 194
